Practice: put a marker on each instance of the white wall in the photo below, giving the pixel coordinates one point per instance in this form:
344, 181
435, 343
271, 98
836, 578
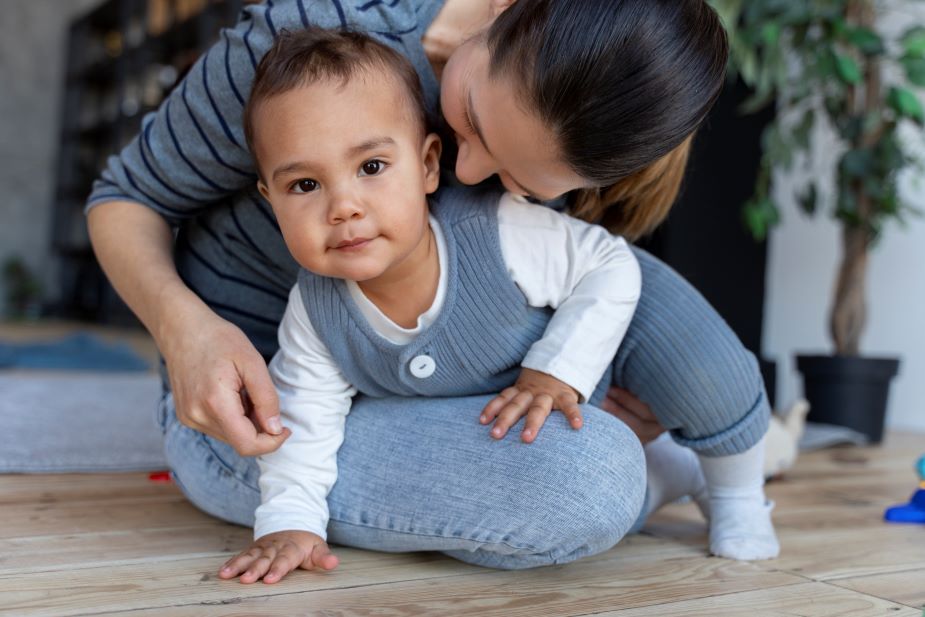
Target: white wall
802, 263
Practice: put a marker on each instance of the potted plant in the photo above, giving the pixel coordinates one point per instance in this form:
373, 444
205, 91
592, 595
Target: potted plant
23, 291
825, 60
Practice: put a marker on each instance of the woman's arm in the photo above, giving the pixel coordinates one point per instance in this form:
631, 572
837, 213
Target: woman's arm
190, 153
209, 360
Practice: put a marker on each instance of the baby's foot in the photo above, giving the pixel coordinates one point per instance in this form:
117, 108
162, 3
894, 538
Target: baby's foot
741, 528
673, 472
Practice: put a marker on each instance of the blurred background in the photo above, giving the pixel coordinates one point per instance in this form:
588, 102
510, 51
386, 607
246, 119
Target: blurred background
78, 76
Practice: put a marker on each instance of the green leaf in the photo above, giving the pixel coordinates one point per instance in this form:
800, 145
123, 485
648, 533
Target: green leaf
808, 200
759, 216
847, 207
825, 65
913, 41
868, 41
848, 69
915, 69
728, 11
776, 147
756, 102
770, 33
889, 153
906, 104
857, 163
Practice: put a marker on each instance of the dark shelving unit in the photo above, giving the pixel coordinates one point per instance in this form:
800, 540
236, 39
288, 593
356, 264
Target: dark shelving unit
122, 60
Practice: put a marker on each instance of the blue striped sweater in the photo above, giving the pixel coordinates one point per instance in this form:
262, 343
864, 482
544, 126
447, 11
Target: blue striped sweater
190, 162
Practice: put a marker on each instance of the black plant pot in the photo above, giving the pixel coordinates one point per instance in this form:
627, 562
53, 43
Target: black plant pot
848, 391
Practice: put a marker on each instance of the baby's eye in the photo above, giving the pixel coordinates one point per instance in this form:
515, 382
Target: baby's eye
305, 185
372, 167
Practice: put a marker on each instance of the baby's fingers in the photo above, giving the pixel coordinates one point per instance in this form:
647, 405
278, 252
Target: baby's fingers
240, 562
573, 413
536, 416
321, 557
494, 407
287, 561
257, 569
511, 413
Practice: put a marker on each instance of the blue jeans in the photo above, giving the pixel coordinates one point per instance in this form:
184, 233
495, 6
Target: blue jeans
423, 474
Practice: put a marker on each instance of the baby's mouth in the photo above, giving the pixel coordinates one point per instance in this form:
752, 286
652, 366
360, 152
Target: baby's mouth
352, 244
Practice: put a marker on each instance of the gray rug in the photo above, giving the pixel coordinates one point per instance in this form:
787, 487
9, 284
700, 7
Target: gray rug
79, 422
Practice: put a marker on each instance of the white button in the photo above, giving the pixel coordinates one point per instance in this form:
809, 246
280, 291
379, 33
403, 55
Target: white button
423, 366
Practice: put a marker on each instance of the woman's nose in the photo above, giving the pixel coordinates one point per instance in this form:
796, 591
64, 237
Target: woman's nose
474, 163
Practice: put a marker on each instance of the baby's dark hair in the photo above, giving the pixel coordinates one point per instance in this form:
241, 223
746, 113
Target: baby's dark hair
304, 57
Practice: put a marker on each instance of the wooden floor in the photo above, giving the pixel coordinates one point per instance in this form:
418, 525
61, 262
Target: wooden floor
123, 545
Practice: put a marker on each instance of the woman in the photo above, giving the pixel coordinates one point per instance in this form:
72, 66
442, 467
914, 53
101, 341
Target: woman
603, 112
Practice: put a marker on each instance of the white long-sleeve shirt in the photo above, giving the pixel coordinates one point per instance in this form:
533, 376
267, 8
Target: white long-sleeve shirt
587, 274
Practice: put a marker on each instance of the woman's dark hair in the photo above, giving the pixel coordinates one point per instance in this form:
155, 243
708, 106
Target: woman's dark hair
623, 84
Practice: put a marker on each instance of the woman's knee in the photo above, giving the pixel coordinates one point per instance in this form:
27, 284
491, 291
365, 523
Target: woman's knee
588, 491
212, 475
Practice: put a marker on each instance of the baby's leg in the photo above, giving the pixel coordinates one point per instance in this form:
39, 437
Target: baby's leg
740, 515
681, 358
673, 472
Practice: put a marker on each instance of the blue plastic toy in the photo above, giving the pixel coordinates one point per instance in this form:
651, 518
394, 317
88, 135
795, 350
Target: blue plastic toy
914, 511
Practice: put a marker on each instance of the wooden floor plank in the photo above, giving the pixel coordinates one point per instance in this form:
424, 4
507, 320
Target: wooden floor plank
834, 554
805, 600
85, 516
907, 587
141, 585
119, 544
55, 488
88, 550
193, 580
585, 587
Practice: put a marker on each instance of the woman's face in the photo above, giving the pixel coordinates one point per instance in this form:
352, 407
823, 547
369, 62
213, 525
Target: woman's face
495, 135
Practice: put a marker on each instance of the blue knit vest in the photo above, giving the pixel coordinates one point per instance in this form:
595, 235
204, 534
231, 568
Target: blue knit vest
478, 340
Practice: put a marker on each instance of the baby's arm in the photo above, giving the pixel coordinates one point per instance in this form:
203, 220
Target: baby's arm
295, 480
592, 279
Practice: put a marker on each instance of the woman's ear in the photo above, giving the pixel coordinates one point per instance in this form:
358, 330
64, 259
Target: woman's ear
498, 6
430, 154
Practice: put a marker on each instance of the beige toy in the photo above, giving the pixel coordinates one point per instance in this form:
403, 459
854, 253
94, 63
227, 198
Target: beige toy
783, 436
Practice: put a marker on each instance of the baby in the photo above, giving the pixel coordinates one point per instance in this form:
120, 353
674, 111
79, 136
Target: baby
397, 298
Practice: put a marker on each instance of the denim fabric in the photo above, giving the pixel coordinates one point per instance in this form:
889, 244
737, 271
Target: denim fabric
424, 475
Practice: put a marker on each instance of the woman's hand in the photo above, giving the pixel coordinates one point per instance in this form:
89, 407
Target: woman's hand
220, 383
633, 412
535, 395
277, 554
210, 361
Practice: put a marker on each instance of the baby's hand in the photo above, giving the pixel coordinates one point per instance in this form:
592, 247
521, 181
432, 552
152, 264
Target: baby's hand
534, 395
277, 554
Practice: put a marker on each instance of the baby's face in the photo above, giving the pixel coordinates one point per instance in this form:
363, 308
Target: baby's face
347, 172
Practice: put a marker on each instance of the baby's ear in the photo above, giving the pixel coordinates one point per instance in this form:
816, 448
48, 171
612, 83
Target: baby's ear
430, 154
262, 187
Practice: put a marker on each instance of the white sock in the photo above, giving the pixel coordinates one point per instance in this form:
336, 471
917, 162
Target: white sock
740, 521
673, 472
